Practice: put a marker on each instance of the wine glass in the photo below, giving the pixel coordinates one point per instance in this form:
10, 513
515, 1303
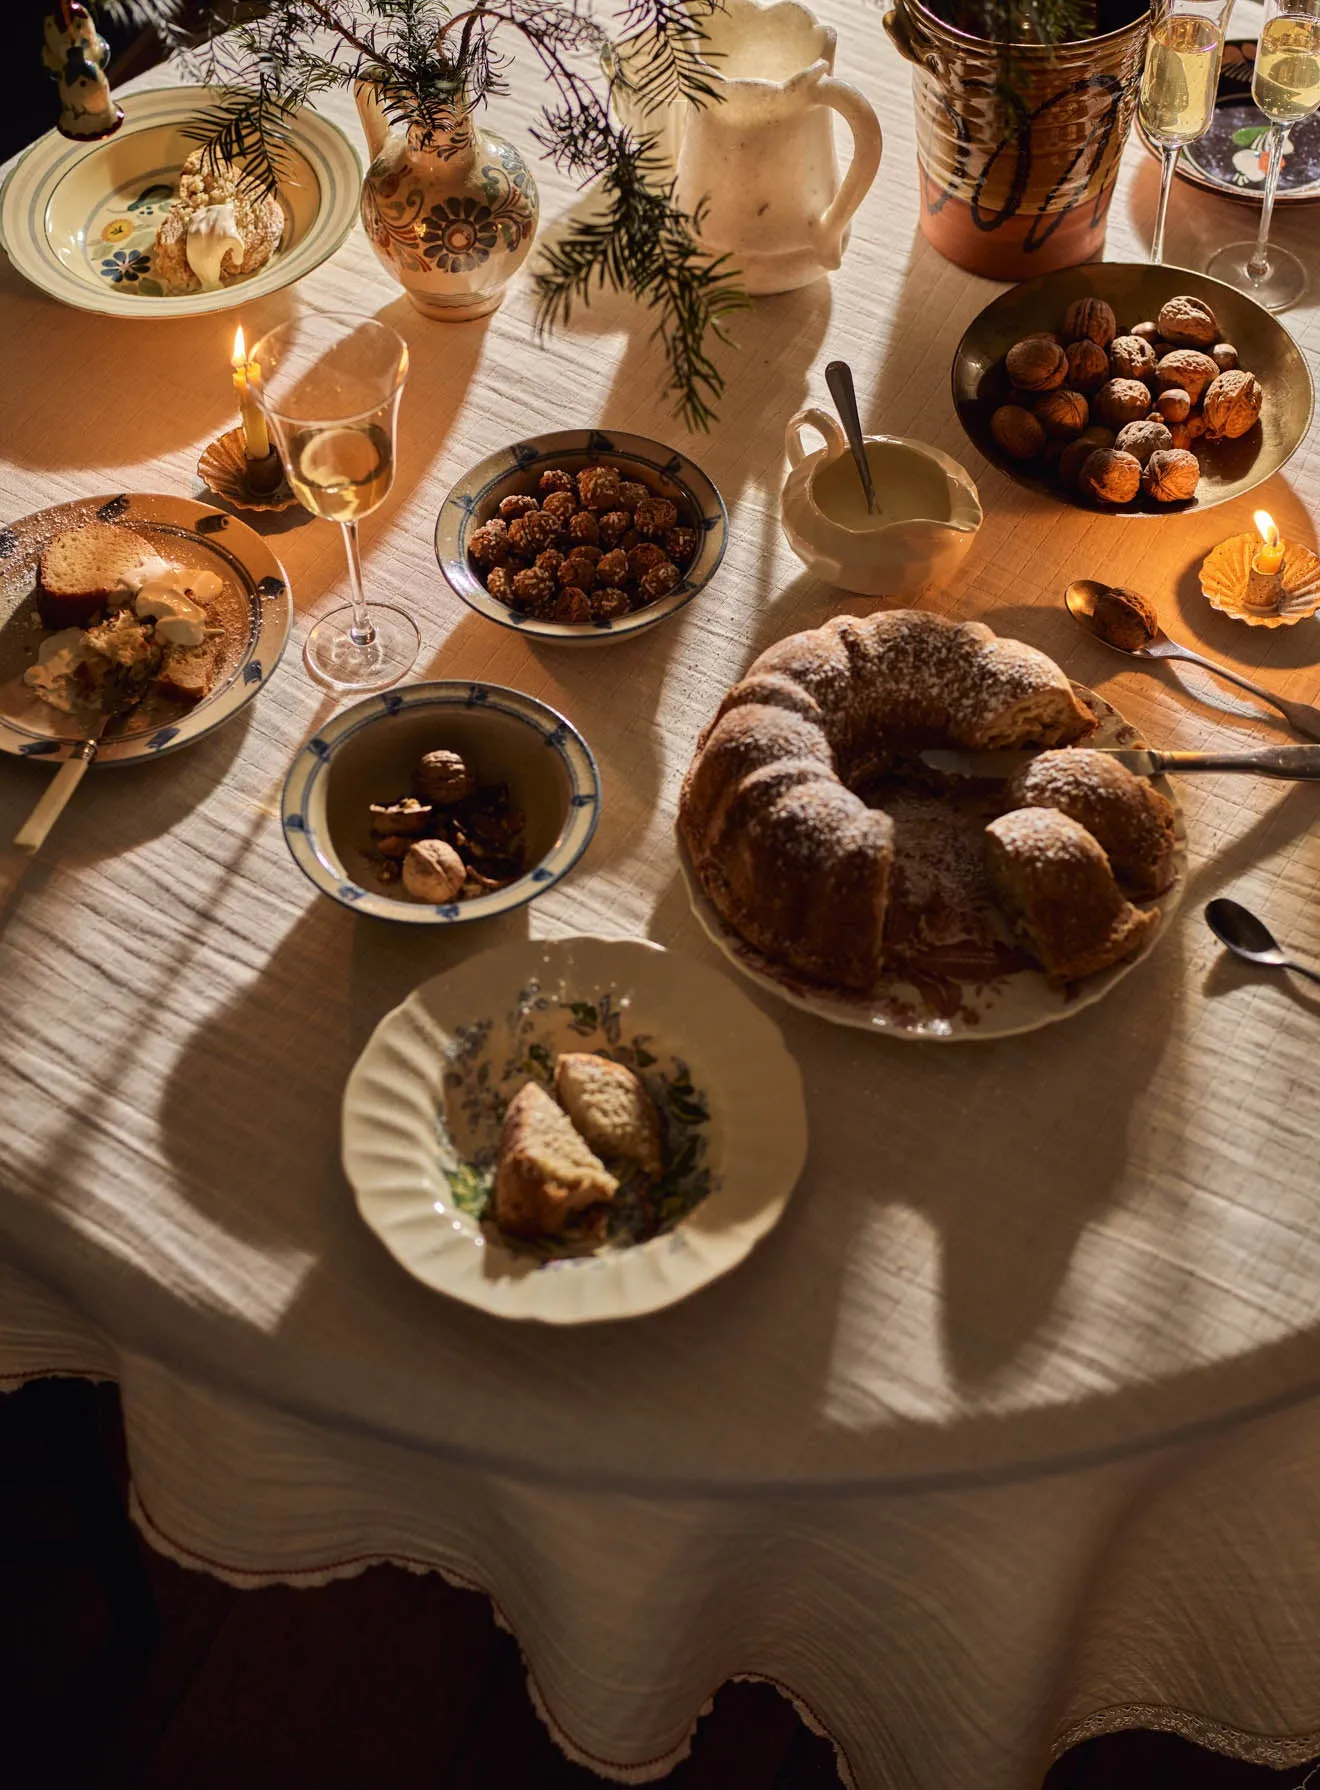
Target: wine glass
330, 387
1286, 87
1179, 84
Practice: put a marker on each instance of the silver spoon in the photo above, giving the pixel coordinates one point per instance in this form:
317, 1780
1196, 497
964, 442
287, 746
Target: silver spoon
1250, 938
1080, 597
839, 379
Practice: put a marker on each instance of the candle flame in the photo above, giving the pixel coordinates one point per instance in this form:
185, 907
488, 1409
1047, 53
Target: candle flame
1267, 527
239, 357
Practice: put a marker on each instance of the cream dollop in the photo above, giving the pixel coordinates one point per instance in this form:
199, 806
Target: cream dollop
212, 234
179, 620
58, 657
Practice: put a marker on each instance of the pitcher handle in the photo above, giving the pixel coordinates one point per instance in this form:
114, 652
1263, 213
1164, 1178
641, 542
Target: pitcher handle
824, 424
859, 115
898, 28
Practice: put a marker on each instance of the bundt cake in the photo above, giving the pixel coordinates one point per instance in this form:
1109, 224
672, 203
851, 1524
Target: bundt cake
1054, 882
787, 853
1133, 822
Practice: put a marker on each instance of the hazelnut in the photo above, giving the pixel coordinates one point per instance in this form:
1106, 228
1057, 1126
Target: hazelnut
442, 777
1131, 358
433, 871
1121, 401
1171, 475
609, 603
1142, 439
519, 504
1036, 364
1088, 366
1062, 414
1017, 432
1108, 476
1231, 405
1188, 369
1195, 426
1148, 332
405, 819
1124, 618
1090, 317
1225, 356
1188, 323
1180, 435
1173, 405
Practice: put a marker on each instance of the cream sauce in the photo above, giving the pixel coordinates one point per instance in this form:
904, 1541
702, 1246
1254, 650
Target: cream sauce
212, 234
908, 487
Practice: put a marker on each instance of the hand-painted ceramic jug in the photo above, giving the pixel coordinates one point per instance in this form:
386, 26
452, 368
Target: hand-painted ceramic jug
761, 157
449, 208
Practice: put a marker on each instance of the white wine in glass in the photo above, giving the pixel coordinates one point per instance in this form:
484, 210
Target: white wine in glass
330, 387
1286, 87
1179, 84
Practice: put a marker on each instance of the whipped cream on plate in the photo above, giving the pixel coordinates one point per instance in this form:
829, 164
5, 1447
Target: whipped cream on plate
212, 234
171, 596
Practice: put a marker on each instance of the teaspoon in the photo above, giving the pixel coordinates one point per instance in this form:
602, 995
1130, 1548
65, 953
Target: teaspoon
1080, 597
839, 379
1250, 938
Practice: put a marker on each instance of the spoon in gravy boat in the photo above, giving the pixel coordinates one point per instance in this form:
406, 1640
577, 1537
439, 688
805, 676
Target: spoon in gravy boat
1082, 596
839, 379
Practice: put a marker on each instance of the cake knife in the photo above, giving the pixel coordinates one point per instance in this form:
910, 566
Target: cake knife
1292, 763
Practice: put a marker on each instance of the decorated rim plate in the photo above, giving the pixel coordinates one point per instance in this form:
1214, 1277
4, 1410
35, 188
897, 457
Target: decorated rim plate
476, 497
1022, 1002
1231, 157
255, 609
366, 754
425, 1100
79, 219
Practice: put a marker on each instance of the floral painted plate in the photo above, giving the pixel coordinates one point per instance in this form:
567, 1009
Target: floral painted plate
79, 219
425, 1101
942, 1010
255, 610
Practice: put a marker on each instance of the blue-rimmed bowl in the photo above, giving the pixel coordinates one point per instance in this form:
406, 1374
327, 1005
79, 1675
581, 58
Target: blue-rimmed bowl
477, 496
368, 754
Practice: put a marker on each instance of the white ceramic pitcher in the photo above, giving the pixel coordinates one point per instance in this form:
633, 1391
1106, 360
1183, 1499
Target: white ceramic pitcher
761, 158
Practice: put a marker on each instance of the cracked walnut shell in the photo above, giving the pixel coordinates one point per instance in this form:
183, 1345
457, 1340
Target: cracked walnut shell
1231, 405
1111, 477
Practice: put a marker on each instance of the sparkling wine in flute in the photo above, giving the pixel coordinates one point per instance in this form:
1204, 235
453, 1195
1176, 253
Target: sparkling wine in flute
1286, 84
1181, 78
339, 471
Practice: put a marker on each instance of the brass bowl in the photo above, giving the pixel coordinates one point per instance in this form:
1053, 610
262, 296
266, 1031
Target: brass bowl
1137, 290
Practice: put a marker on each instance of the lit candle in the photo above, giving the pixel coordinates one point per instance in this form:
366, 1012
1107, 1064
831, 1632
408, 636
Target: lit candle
256, 442
1269, 558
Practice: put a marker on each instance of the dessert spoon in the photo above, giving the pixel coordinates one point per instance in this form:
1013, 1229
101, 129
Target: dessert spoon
1250, 938
839, 379
1080, 597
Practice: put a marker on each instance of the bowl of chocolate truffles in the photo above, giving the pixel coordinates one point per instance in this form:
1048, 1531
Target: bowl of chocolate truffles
441, 802
581, 537
1132, 390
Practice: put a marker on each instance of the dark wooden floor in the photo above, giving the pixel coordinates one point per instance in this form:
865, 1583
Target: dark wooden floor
386, 1680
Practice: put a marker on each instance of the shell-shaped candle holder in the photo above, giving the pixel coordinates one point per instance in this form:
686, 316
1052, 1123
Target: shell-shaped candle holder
1227, 578
223, 468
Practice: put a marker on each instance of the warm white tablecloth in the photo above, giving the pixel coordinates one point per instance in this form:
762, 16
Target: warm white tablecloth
1010, 1432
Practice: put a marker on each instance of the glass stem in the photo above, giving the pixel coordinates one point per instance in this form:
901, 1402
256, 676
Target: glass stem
361, 633
1169, 153
1258, 266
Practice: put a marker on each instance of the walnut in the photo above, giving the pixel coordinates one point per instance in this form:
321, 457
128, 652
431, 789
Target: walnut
1188, 369
1148, 332
1171, 475
1121, 401
1077, 453
532, 534
1173, 405
609, 603
404, 820
598, 487
442, 777
1231, 405
614, 525
1088, 366
1017, 432
1062, 414
1108, 476
572, 605
643, 557
655, 515
561, 505
1225, 356
556, 480
679, 543
1143, 439
1036, 364
533, 589
631, 493
1131, 358
1090, 317
659, 581
488, 547
519, 504
584, 528
1124, 618
433, 871
612, 568
1188, 323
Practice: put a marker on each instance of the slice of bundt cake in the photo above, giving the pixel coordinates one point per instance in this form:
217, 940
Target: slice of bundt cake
1133, 822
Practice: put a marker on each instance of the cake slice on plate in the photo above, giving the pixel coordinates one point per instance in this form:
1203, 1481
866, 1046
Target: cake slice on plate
546, 1171
611, 1109
87, 569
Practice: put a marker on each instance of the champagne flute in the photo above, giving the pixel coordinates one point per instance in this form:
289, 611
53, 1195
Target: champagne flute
1179, 84
330, 387
1286, 87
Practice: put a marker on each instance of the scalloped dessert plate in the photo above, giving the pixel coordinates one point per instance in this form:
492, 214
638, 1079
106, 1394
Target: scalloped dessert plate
254, 605
79, 219
1021, 1002
424, 1102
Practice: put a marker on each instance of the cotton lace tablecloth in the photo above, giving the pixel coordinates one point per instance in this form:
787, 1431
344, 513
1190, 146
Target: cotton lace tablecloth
1010, 1432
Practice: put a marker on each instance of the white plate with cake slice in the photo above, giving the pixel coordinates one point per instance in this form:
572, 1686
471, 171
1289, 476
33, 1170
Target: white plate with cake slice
192, 591
574, 1130
962, 992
